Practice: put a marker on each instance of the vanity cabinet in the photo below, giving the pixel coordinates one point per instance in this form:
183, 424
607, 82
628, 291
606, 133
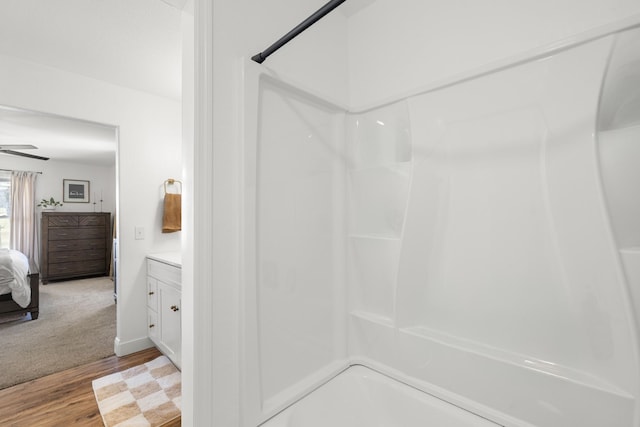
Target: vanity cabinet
164, 297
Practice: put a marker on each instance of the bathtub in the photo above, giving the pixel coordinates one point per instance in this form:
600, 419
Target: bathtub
360, 396
456, 240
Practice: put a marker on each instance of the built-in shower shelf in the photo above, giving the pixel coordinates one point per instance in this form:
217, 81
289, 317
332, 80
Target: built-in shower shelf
373, 317
375, 237
631, 250
512, 358
635, 128
400, 168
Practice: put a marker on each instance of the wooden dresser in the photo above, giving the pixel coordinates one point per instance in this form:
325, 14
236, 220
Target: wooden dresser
74, 244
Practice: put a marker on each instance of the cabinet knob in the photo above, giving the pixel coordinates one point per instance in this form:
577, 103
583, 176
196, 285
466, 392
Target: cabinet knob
174, 308
151, 325
151, 293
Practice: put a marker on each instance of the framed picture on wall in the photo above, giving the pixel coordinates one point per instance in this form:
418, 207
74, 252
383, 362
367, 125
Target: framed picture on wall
75, 191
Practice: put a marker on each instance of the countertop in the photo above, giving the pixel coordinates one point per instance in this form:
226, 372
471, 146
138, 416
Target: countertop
171, 258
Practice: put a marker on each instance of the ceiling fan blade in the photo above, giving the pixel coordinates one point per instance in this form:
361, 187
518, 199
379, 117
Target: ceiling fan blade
17, 153
17, 147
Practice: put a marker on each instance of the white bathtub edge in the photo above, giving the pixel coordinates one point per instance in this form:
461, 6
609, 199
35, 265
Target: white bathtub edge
461, 402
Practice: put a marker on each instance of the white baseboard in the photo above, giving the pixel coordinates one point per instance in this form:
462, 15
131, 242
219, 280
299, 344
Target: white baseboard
124, 348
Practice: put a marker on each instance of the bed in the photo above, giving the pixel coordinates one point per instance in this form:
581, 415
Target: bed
19, 292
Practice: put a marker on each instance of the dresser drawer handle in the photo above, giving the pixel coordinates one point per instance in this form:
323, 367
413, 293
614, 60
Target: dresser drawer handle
151, 293
152, 325
174, 308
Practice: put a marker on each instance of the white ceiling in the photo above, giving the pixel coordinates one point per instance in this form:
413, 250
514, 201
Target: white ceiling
131, 43
58, 137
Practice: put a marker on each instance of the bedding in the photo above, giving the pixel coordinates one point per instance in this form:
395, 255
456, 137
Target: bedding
14, 268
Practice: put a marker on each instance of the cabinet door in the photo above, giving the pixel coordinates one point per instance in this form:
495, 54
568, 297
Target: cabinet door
152, 293
170, 321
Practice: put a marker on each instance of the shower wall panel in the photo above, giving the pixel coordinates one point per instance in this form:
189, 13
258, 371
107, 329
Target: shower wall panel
619, 153
508, 295
295, 243
425, 44
300, 163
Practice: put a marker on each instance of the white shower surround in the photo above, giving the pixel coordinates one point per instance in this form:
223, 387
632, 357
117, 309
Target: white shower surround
459, 240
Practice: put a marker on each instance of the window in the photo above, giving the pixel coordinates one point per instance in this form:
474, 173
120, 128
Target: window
5, 209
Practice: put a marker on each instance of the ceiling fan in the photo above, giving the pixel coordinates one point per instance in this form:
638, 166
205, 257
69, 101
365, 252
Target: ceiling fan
8, 149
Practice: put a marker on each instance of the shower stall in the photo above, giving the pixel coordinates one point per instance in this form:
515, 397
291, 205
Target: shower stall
477, 243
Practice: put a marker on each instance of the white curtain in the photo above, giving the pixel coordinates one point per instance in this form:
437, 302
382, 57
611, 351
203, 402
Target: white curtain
24, 237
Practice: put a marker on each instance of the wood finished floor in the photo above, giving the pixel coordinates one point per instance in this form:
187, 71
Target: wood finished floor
65, 398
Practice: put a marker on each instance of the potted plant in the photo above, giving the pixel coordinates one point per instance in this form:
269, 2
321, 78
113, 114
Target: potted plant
49, 204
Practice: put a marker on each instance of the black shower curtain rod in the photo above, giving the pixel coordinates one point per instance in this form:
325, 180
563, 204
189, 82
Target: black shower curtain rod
320, 13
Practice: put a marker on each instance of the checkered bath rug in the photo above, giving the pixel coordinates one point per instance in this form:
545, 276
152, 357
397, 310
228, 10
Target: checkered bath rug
145, 395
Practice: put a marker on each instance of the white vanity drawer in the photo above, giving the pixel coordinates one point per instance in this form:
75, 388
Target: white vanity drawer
165, 272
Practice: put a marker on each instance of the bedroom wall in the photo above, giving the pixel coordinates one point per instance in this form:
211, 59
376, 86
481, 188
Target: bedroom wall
49, 183
149, 152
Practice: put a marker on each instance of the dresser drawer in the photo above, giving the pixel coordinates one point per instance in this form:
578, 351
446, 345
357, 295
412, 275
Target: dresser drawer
76, 233
63, 221
76, 267
70, 256
76, 245
87, 221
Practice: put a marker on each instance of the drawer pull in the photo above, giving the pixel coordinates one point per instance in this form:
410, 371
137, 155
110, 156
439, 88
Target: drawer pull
174, 308
151, 325
151, 293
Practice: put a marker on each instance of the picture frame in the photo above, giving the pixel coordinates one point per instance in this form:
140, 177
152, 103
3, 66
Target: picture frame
75, 191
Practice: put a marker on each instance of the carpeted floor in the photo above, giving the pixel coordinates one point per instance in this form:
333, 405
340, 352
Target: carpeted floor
77, 325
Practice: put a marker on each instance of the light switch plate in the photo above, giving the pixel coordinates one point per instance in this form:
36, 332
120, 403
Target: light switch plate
139, 233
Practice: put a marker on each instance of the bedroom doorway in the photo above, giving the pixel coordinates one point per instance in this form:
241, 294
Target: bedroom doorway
77, 315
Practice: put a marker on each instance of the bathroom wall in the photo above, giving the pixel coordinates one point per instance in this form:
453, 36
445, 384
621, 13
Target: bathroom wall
226, 33
381, 43
101, 178
422, 43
